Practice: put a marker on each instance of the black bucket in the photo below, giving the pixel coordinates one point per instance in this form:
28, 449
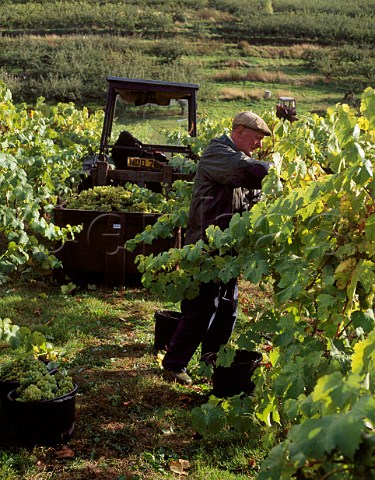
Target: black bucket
46, 422
6, 386
236, 379
166, 322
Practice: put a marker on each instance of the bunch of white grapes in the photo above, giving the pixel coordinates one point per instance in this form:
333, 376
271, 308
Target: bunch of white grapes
45, 386
120, 199
20, 367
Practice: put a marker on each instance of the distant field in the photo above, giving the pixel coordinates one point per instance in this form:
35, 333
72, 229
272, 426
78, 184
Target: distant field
313, 50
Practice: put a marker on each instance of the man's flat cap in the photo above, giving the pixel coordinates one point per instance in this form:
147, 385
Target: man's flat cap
251, 120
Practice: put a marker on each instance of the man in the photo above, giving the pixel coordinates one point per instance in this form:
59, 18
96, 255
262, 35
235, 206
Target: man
226, 174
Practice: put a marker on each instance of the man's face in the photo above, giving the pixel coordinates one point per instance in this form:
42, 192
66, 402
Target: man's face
247, 140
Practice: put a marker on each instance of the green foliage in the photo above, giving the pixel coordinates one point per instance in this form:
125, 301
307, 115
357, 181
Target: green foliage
331, 23
41, 151
26, 364
208, 418
23, 339
347, 64
168, 52
75, 68
64, 50
212, 417
175, 213
84, 16
334, 433
312, 240
268, 8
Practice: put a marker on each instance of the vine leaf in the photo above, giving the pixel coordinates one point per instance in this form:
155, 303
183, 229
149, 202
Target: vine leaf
316, 438
208, 419
364, 273
365, 320
370, 228
363, 358
277, 466
225, 357
332, 392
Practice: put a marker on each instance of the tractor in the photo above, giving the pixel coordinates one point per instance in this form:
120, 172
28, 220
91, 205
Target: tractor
98, 253
286, 109
122, 156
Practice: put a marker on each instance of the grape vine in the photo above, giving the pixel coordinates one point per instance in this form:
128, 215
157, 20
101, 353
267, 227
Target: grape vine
311, 240
23, 339
41, 151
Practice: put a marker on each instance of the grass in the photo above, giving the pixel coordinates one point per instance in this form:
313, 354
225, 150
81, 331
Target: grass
130, 422
237, 85
214, 64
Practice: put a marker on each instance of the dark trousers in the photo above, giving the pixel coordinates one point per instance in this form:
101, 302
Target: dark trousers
208, 319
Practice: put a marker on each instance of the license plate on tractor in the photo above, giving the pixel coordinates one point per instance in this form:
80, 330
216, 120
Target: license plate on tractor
143, 163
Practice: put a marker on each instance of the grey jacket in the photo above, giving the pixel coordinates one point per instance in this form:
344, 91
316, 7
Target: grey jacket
224, 181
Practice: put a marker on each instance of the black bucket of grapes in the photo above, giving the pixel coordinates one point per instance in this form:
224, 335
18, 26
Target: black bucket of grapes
7, 386
45, 422
236, 379
166, 322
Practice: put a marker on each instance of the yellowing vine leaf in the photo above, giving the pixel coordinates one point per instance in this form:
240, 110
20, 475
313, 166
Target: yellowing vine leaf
343, 272
363, 358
